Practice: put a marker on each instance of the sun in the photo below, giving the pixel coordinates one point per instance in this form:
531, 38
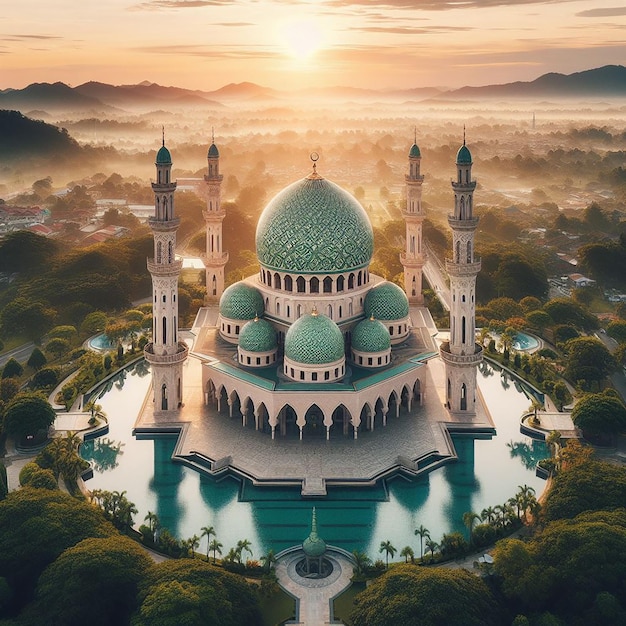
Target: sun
303, 38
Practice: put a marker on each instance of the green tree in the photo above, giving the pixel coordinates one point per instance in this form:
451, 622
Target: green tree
93, 323
24, 251
116, 506
46, 377
469, 519
9, 388
208, 532
216, 547
431, 546
453, 544
25, 316
388, 549
600, 415
28, 414
195, 593
617, 330
426, 596
407, 553
588, 360
361, 561
94, 582
12, 369
423, 533
36, 360
58, 346
66, 332
269, 560
243, 545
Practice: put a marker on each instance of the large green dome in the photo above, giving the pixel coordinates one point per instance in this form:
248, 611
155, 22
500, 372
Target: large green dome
258, 335
163, 156
463, 156
386, 301
314, 340
371, 336
241, 302
313, 226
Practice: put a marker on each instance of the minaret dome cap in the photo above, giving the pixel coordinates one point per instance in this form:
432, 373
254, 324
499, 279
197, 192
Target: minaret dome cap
213, 153
415, 152
463, 156
163, 156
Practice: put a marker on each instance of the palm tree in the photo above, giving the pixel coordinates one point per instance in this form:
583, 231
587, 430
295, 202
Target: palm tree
488, 515
468, 519
432, 546
208, 532
387, 548
243, 544
153, 522
96, 411
193, 543
269, 560
423, 533
407, 553
215, 547
361, 561
232, 556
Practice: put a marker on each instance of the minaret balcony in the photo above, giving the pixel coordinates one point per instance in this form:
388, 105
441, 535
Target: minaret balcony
467, 223
413, 216
214, 179
469, 186
182, 352
473, 358
220, 258
214, 216
414, 179
412, 260
164, 225
165, 269
171, 186
462, 269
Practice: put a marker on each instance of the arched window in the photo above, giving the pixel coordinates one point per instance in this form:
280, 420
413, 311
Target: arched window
164, 398
469, 251
314, 285
462, 209
463, 330
340, 283
458, 252
288, 283
330, 311
300, 284
159, 251
278, 308
214, 286
412, 245
170, 252
269, 279
351, 281
463, 397
328, 284
276, 280
164, 329
359, 279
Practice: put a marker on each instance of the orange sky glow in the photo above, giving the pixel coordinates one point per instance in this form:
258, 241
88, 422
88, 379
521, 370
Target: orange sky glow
204, 44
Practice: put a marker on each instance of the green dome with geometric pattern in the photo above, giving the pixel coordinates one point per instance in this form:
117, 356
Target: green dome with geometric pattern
371, 336
163, 156
313, 226
241, 302
257, 335
386, 301
415, 152
463, 156
314, 339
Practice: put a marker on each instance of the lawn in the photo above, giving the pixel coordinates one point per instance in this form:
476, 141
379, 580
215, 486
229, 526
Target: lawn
344, 603
277, 608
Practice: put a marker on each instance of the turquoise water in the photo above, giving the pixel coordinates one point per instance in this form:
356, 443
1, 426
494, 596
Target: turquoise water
488, 473
523, 341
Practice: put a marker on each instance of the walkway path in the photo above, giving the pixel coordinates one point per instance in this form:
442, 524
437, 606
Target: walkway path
315, 595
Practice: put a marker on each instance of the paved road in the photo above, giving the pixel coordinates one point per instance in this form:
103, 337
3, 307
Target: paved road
436, 275
21, 354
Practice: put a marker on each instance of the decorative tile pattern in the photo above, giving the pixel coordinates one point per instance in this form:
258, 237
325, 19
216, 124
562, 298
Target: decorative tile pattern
241, 302
314, 339
386, 302
314, 226
258, 335
370, 336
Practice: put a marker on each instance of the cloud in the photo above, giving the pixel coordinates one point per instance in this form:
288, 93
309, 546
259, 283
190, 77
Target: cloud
235, 24
412, 30
607, 12
438, 5
211, 52
155, 5
28, 37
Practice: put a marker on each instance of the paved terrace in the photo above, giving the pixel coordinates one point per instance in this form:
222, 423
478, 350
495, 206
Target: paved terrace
216, 443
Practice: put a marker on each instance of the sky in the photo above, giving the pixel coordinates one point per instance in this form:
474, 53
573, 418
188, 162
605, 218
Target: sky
283, 44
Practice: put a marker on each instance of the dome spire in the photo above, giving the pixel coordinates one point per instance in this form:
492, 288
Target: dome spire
163, 134
314, 156
463, 134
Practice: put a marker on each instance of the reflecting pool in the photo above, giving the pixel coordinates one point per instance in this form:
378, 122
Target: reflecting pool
488, 473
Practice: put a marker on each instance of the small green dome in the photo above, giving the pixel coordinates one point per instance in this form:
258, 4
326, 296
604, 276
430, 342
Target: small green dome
241, 302
258, 335
314, 340
463, 156
213, 153
371, 336
313, 227
415, 152
314, 546
386, 301
163, 156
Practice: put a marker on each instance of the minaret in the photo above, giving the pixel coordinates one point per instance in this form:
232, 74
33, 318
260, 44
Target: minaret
165, 353
413, 257
462, 354
214, 259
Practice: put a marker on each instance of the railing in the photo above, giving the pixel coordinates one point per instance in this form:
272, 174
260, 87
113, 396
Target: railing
180, 355
164, 269
460, 359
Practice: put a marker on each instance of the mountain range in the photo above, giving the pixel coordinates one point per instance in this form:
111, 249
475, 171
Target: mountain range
94, 97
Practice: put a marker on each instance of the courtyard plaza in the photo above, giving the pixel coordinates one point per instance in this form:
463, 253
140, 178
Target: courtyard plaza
215, 443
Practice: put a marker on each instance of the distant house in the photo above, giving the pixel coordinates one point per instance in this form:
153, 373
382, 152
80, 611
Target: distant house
19, 218
110, 232
578, 280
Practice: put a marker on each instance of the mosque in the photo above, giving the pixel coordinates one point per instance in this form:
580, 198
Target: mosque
314, 345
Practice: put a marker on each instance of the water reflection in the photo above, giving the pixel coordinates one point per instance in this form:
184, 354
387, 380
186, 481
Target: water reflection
102, 453
528, 453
